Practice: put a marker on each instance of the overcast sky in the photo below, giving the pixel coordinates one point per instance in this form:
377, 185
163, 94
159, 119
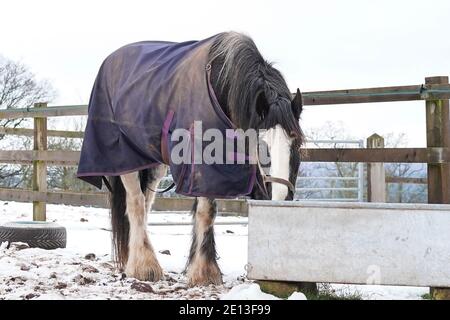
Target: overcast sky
317, 45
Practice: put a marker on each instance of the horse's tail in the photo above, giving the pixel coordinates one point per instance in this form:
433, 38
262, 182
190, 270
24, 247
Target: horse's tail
119, 221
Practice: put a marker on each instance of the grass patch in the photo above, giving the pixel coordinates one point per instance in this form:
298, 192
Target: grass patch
326, 292
427, 296
323, 291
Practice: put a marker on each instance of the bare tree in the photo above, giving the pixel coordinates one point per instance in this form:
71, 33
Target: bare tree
61, 177
19, 88
398, 192
403, 192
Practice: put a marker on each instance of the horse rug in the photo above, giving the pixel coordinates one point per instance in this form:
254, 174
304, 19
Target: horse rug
142, 93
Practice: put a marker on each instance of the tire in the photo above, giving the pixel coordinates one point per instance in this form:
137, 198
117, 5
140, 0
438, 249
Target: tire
44, 235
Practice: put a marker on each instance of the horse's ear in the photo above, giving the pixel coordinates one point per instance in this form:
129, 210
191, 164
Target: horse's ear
297, 104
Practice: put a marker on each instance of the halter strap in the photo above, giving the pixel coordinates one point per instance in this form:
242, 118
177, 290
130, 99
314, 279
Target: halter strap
165, 190
267, 178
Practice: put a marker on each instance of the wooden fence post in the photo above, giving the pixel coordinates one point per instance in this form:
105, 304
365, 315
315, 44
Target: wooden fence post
40, 167
376, 176
438, 131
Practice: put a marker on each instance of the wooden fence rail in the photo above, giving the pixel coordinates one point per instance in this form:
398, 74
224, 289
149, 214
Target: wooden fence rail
388, 155
57, 111
50, 133
54, 157
427, 91
101, 200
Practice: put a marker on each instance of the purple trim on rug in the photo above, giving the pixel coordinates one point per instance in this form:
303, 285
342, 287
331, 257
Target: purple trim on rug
216, 105
180, 178
192, 133
184, 166
164, 137
252, 180
207, 195
113, 174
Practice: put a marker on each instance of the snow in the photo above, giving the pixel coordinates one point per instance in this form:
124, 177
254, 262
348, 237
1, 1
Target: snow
297, 296
252, 291
376, 292
71, 273
248, 291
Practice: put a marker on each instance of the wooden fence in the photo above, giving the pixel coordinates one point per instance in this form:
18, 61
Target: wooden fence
435, 92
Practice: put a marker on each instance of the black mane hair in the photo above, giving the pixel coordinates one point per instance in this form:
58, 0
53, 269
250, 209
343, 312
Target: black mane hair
249, 89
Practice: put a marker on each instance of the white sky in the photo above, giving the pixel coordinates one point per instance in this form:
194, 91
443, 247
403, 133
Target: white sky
317, 45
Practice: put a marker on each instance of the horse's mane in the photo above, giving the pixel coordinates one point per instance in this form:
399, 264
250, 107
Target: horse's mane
250, 90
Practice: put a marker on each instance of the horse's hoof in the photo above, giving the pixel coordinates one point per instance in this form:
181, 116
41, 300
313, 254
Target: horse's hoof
144, 268
147, 273
204, 275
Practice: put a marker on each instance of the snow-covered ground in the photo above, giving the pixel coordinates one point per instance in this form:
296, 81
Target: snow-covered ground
84, 269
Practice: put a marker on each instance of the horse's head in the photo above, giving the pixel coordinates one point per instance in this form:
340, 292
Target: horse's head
282, 138
255, 95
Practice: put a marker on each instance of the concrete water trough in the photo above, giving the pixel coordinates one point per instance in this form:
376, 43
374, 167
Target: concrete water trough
353, 243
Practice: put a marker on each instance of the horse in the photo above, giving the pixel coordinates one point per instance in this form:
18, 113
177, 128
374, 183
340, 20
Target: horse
252, 94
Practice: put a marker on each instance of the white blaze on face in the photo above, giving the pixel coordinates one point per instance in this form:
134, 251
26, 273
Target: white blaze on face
279, 145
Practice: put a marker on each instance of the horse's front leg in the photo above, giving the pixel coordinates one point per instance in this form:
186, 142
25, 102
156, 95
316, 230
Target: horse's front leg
142, 263
202, 268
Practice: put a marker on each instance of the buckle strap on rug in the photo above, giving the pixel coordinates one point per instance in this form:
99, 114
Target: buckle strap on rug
108, 186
